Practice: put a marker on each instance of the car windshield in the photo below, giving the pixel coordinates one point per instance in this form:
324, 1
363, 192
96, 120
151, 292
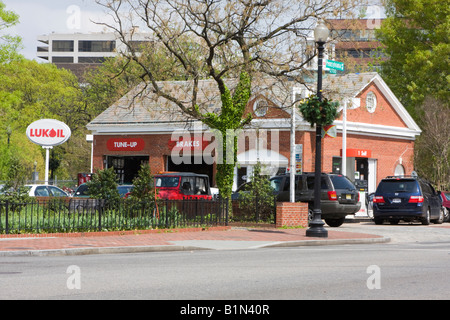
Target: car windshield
123, 190
396, 186
275, 183
446, 195
82, 190
167, 182
342, 182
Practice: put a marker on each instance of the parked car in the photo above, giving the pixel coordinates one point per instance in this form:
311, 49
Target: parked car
82, 190
338, 197
39, 190
81, 201
406, 198
445, 197
125, 190
243, 188
183, 185
369, 204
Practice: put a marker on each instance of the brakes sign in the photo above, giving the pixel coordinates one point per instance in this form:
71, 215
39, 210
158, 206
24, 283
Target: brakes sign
48, 132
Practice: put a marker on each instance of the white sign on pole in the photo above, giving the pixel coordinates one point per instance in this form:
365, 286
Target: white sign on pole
48, 133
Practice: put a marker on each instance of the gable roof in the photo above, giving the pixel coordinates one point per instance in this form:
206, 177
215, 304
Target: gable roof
141, 111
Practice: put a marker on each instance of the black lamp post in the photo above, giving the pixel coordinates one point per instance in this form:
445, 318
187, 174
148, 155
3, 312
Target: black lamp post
316, 228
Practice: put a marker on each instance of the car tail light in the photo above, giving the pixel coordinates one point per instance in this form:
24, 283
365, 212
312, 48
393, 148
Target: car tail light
378, 199
415, 199
332, 195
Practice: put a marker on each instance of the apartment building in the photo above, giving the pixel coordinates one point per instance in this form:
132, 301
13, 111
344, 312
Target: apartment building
79, 51
354, 43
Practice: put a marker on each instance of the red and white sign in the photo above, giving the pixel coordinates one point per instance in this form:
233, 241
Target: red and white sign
195, 144
358, 153
48, 132
125, 144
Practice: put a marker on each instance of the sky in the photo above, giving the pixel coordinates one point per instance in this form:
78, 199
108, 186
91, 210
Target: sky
42, 17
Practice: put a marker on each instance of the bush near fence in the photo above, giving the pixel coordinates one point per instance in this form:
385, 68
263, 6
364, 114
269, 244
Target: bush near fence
46, 215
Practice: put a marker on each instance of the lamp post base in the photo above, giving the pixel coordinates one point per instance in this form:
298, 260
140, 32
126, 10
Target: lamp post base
316, 228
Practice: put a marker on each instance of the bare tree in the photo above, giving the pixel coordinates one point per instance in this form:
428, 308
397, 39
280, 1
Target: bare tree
244, 40
432, 150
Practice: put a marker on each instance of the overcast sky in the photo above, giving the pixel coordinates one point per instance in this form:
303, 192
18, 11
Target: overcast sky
41, 17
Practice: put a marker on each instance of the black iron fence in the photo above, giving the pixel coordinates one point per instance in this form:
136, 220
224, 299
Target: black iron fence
84, 215
254, 210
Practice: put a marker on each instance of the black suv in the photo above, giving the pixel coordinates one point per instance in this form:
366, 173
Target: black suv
338, 199
406, 198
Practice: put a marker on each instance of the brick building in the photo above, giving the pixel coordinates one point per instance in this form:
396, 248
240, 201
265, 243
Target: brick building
379, 132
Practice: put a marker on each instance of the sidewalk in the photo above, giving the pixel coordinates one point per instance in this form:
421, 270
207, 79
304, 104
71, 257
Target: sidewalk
218, 238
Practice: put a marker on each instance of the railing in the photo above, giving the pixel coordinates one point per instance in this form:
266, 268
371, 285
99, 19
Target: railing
46, 215
255, 210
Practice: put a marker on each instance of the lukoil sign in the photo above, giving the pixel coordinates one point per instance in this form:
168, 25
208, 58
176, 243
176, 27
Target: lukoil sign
48, 132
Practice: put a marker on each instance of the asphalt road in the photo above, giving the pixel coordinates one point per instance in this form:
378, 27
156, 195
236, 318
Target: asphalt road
414, 265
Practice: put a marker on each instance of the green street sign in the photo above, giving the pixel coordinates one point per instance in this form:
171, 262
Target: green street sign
336, 65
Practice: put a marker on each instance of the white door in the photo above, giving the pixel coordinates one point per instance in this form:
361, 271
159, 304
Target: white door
372, 181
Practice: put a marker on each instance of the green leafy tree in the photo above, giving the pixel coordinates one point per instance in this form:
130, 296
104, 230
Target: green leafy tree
9, 45
258, 200
103, 186
144, 187
416, 37
30, 91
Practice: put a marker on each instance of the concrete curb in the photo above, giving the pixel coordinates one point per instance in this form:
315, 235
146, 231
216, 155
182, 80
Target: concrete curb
171, 248
305, 243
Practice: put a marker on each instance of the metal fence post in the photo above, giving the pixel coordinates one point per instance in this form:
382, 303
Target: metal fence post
7, 213
226, 212
100, 211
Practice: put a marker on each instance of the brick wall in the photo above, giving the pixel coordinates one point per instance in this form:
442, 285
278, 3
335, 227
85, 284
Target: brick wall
389, 152
156, 148
292, 214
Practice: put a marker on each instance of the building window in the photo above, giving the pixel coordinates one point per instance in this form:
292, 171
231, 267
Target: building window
399, 170
96, 46
371, 102
62, 46
91, 59
62, 59
260, 107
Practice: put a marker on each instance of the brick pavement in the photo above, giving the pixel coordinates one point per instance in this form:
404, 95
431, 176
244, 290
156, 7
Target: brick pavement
166, 238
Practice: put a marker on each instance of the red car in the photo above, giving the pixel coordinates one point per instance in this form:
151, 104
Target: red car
445, 196
183, 185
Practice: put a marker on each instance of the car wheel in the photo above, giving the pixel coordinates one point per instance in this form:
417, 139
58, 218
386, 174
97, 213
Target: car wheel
441, 218
446, 214
426, 220
335, 222
378, 221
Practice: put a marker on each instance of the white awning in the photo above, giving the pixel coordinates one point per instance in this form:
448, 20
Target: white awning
265, 157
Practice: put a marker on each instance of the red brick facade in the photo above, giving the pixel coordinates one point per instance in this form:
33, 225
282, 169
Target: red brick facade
387, 133
292, 214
